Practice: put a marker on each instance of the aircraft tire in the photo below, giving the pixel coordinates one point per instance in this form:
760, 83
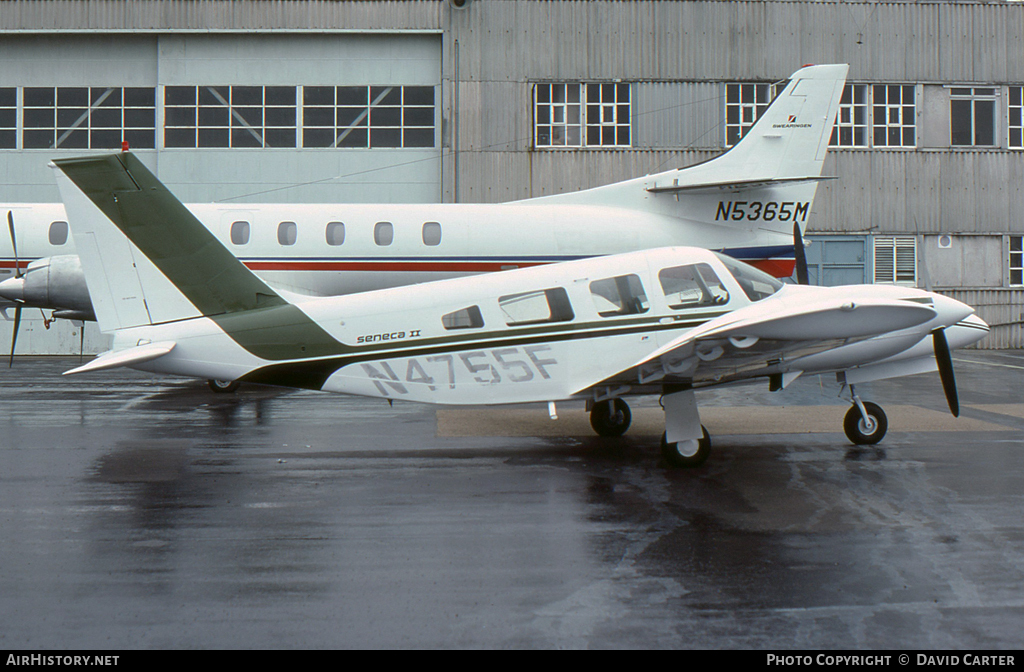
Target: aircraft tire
611, 418
223, 386
854, 427
675, 458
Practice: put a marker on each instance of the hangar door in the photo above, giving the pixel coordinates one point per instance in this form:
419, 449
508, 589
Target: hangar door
245, 118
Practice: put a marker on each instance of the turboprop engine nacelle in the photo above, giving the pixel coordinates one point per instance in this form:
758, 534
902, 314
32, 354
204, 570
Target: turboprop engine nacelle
52, 282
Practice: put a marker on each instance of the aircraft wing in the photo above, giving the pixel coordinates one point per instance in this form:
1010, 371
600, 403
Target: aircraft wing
764, 339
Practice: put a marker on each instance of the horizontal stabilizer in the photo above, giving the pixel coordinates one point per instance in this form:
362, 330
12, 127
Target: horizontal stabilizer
129, 357
737, 185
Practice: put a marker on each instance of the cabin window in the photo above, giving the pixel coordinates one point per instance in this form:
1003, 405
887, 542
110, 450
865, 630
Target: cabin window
621, 295
432, 233
383, 233
755, 283
240, 233
543, 305
692, 286
467, 318
58, 233
287, 232
335, 233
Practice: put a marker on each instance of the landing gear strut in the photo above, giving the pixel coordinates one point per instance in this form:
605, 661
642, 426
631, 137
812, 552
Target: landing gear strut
611, 417
687, 454
865, 423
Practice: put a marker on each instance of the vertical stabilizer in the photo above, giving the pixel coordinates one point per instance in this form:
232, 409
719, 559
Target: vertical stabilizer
145, 257
779, 159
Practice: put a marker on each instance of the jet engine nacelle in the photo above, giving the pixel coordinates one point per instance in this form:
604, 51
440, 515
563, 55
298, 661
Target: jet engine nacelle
52, 282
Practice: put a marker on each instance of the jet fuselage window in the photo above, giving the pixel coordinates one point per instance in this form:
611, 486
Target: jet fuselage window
287, 233
756, 284
335, 233
383, 233
240, 233
58, 233
543, 305
692, 286
432, 233
467, 318
621, 295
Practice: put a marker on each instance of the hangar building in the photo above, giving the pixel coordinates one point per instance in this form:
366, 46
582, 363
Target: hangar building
496, 100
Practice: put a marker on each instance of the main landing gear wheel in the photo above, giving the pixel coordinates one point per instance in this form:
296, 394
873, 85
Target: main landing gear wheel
223, 386
687, 454
865, 433
610, 418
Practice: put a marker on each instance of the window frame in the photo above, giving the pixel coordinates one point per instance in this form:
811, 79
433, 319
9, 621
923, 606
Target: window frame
582, 115
975, 97
1015, 260
885, 107
1015, 117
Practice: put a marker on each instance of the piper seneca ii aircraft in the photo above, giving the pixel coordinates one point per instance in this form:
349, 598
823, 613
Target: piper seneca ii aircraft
666, 321
746, 202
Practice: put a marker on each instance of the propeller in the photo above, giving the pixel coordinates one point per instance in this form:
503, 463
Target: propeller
17, 274
945, 362
799, 256
14, 244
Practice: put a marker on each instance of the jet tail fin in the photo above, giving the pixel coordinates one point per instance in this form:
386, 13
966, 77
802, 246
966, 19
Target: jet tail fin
777, 164
145, 257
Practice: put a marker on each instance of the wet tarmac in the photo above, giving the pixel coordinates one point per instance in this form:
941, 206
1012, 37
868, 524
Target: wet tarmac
140, 512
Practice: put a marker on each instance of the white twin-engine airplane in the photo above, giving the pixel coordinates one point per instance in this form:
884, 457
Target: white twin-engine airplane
747, 202
665, 321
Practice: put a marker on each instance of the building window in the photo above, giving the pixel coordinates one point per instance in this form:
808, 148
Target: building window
81, 117
368, 116
894, 116
229, 116
1015, 107
744, 104
558, 115
851, 129
1017, 261
972, 117
579, 114
608, 115
8, 117
895, 260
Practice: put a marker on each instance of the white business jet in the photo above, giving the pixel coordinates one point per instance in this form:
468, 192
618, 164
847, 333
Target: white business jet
666, 321
749, 202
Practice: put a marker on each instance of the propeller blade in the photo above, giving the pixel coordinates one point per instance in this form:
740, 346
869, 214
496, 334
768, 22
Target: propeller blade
945, 362
14, 244
14, 334
799, 256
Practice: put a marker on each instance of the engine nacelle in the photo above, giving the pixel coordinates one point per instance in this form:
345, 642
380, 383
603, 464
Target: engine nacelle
52, 283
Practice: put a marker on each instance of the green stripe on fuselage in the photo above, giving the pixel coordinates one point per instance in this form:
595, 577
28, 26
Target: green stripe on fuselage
312, 374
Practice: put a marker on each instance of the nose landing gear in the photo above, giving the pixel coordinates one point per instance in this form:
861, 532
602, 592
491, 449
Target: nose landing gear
865, 423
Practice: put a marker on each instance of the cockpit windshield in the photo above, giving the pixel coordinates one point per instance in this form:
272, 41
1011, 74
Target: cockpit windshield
755, 283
